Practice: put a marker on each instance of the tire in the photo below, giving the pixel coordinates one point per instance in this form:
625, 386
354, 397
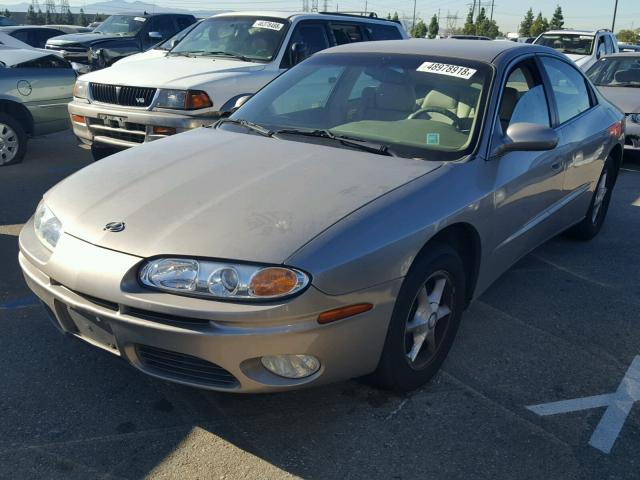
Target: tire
592, 223
13, 141
99, 152
397, 370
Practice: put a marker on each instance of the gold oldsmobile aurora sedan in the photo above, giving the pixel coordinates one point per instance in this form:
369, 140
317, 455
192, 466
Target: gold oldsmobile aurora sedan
336, 225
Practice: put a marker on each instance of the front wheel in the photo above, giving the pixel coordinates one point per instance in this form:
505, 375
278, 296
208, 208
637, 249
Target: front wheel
424, 322
592, 223
13, 140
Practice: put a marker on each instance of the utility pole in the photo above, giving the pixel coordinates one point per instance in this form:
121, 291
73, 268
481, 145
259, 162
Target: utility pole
492, 4
413, 23
615, 11
365, 8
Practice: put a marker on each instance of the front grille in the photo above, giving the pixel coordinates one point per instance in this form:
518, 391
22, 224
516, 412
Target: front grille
67, 48
166, 318
122, 135
186, 368
121, 95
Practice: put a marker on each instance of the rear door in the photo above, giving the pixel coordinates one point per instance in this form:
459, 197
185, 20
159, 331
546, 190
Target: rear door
582, 131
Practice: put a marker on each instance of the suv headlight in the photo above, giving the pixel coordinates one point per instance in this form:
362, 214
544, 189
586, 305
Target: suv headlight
81, 89
634, 117
183, 99
221, 280
47, 226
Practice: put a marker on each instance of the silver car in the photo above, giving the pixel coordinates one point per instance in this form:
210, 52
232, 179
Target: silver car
618, 79
336, 225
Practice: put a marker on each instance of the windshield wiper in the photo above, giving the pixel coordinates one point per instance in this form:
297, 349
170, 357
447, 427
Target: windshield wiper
347, 141
255, 127
186, 53
224, 54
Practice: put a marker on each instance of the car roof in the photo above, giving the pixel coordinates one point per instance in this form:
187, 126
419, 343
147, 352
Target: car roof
14, 28
306, 15
622, 54
575, 32
14, 56
480, 51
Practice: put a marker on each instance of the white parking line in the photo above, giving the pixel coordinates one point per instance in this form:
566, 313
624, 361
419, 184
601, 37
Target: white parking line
13, 230
618, 405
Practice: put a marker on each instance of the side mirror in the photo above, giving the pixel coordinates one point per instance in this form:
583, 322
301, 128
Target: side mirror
298, 53
241, 101
527, 137
174, 42
155, 35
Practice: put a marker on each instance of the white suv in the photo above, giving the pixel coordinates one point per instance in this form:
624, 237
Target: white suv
208, 72
584, 47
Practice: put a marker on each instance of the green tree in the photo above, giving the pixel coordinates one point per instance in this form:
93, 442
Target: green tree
419, 30
48, 17
434, 27
39, 17
628, 36
99, 18
7, 13
395, 17
539, 25
82, 18
469, 27
525, 25
31, 18
557, 21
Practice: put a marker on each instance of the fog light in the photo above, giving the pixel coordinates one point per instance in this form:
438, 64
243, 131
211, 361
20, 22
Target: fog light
291, 366
78, 119
164, 130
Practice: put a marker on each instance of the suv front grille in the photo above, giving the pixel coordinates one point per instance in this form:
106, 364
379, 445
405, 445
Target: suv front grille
186, 368
121, 95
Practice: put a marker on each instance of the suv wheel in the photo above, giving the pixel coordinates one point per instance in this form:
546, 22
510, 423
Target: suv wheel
13, 140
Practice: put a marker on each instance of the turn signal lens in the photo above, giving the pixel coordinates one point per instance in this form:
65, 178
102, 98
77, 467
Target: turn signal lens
273, 282
343, 312
78, 118
197, 99
164, 130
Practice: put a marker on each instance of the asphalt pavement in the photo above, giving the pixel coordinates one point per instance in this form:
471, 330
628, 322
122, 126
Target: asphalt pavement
564, 323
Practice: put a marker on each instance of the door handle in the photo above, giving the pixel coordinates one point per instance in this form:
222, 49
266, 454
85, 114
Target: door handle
556, 166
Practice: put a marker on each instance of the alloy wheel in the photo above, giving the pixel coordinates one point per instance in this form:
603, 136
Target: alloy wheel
8, 144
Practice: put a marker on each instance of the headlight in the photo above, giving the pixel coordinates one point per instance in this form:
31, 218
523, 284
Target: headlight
80, 89
635, 117
183, 99
222, 280
48, 228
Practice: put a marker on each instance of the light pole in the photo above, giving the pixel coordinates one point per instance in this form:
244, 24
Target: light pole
615, 11
413, 23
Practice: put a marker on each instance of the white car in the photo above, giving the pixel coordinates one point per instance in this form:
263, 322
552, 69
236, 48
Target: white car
221, 61
584, 47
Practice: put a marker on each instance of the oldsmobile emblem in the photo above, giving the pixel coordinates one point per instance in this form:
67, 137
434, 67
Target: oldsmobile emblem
114, 227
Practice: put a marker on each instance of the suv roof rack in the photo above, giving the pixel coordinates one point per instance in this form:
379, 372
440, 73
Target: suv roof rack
359, 15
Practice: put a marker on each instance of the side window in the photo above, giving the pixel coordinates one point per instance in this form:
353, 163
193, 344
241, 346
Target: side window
41, 36
163, 24
382, 32
346, 33
569, 88
609, 48
523, 98
312, 35
23, 36
602, 50
183, 22
310, 93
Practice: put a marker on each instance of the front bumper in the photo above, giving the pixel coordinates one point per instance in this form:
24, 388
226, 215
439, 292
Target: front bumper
92, 293
134, 126
632, 134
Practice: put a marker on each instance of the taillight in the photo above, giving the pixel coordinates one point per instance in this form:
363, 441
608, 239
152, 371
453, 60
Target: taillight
616, 129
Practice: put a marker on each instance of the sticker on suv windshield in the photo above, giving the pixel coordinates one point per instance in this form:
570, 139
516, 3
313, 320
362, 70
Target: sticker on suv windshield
433, 139
446, 69
266, 24
140, 19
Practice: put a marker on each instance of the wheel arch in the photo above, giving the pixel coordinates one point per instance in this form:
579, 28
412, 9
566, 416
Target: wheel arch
19, 112
465, 239
617, 153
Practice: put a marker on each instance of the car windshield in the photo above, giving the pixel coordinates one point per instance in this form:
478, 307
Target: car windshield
243, 37
616, 72
414, 106
568, 43
123, 25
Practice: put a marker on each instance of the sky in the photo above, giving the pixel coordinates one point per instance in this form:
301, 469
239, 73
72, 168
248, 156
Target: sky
588, 14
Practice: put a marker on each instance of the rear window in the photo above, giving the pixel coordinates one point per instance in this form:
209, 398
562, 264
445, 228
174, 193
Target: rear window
50, 61
383, 32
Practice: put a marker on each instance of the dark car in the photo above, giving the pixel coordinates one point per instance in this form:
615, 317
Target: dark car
119, 36
6, 22
34, 36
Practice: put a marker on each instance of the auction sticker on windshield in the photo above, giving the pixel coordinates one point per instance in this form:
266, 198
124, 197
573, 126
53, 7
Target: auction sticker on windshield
446, 69
140, 19
266, 24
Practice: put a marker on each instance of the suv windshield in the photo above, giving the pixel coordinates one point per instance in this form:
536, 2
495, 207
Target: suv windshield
616, 72
123, 25
247, 38
417, 107
568, 43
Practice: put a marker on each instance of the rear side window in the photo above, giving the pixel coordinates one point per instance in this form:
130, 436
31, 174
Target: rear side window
383, 32
346, 33
569, 88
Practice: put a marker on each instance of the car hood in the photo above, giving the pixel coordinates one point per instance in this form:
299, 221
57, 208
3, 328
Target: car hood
213, 193
170, 71
578, 59
81, 38
626, 99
